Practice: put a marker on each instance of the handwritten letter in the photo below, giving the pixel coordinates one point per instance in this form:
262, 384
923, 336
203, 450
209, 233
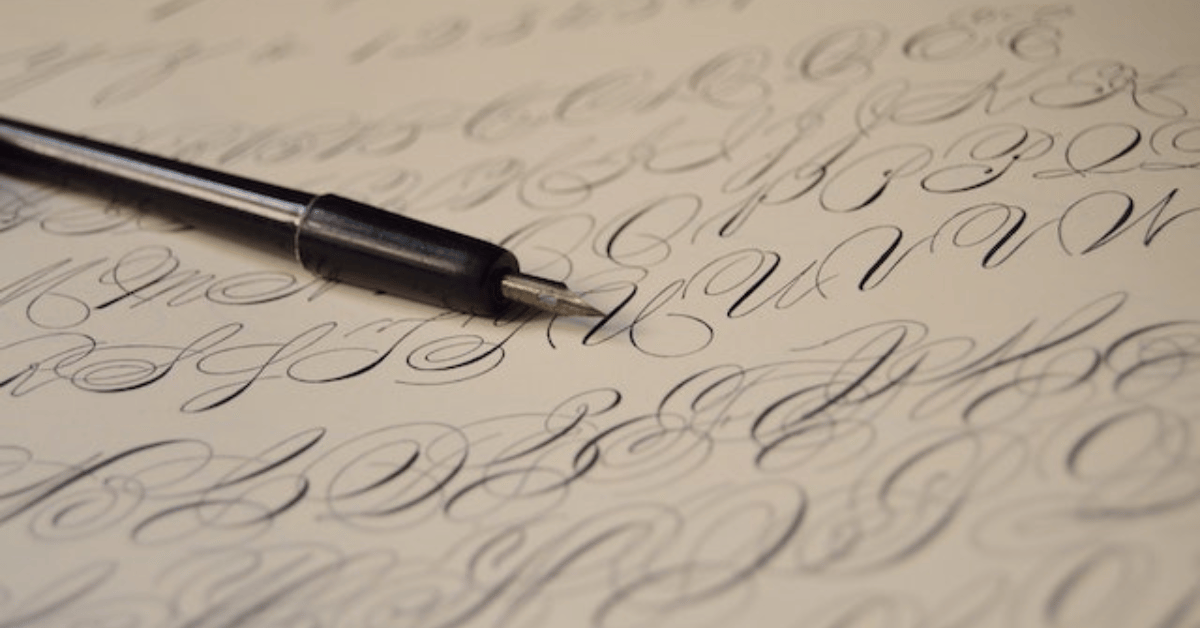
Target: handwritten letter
903, 319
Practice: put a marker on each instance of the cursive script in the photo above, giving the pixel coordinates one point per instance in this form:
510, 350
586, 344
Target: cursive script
900, 321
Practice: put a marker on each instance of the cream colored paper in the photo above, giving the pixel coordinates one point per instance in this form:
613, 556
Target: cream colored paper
904, 319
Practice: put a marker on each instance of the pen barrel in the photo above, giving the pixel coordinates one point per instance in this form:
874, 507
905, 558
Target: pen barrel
362, 245
332, 236
237, 208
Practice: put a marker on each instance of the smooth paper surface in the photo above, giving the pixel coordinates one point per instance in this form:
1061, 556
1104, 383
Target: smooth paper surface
904, 327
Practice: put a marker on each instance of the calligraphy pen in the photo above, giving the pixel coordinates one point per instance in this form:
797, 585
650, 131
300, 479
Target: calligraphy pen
329, 235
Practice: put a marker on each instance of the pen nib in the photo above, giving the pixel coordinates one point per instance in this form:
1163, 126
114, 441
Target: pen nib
545, 295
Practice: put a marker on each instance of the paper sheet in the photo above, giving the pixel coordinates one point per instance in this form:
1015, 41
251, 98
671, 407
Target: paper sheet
904, 331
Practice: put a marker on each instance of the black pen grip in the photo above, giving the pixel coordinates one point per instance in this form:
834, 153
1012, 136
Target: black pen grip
356, 243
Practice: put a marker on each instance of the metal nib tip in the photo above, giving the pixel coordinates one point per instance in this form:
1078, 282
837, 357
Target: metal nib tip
549, 296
